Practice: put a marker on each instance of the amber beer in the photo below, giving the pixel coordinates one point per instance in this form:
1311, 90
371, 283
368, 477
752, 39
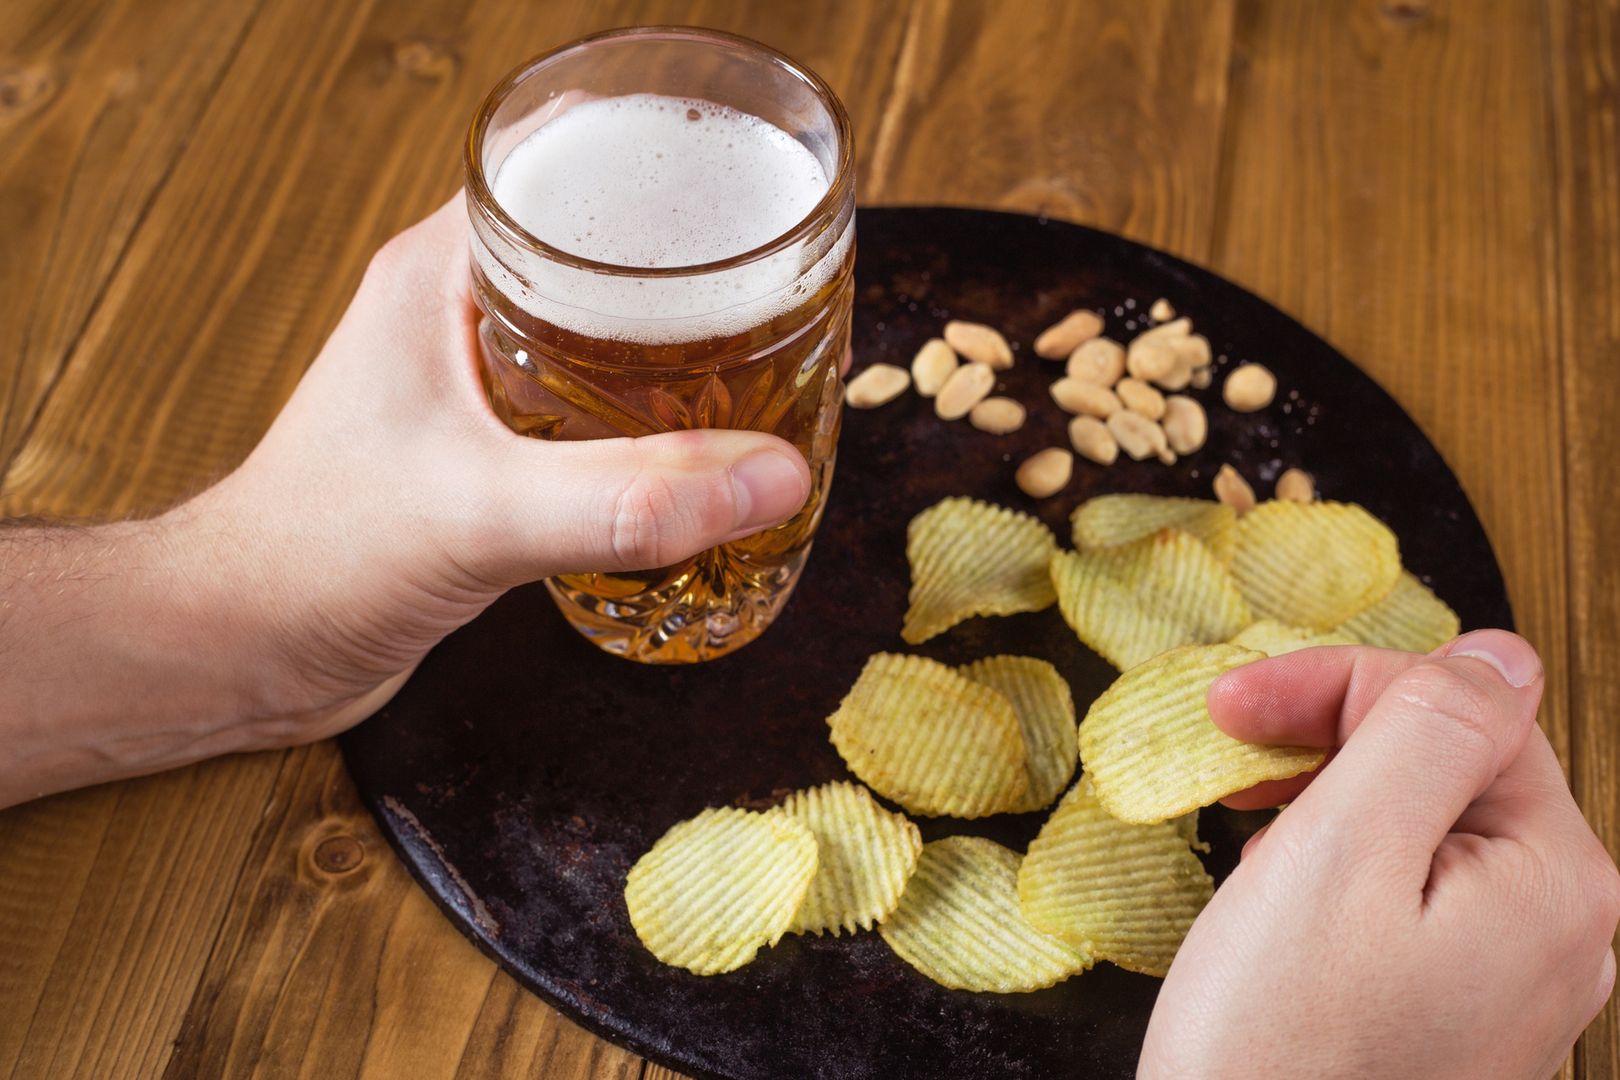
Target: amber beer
663, 238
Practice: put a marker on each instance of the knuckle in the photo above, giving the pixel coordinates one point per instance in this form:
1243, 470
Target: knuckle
1466, 708
1603, 882
386, 262
644, 513
657, 520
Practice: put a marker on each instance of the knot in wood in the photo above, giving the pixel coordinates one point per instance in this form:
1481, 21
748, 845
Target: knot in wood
425, 59
339, 854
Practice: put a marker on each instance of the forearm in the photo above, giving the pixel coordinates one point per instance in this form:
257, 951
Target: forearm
120, 652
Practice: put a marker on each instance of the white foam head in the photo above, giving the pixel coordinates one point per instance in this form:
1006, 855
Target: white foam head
652, 181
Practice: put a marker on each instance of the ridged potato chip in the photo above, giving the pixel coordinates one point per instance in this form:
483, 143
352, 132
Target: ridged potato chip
1134, 601
1124, 893
1109, 520
1045, 708
959, 923
1153, 753
1410, 618
1274, 638
1187, 826
867, 854
933, 740
973, 558
716, 888
1313, 564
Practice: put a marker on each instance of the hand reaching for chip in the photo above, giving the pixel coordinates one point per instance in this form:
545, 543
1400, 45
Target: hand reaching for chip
1431, 903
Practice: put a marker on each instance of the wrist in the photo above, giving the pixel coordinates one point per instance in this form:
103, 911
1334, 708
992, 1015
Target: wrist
123, 653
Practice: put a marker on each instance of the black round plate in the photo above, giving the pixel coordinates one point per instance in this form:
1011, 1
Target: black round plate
522, 771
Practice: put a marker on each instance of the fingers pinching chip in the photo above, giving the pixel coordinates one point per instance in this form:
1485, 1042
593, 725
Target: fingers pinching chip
1274, 638
1109, 520
1153, 753
1045, 708
1411, 618
959, 923
1134, 601
867, 854
716, 888
1125, 893
1313, 564
933, 740
972, 558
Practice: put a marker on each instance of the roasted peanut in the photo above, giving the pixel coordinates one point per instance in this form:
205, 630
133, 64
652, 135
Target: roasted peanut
1138, 396
877, 385
1045, 472
1177, 377
1185, 424
1193, 350
1067, 334
1249, 387
1233, 490
1152, 360
1100, 360
979, 343
997, 415
1296, 485
1176, 328
1161, 311
1073, 395
967, 386
1092, 440
932, 365
1140, 437
1201, 378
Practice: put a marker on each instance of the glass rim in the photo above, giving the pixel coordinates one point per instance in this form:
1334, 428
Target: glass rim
821, 216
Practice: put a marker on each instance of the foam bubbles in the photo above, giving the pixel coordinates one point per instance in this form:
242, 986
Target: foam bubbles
646, 180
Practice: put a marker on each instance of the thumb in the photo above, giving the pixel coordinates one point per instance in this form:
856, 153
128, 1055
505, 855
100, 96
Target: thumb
636, 503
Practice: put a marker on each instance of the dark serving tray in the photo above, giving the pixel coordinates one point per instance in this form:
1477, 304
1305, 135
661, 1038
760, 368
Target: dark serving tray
522, 771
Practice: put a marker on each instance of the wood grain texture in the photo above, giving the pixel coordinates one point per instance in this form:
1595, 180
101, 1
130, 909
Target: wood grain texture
96, 101
190, 192
1387, 181
1104, 113
1584, 63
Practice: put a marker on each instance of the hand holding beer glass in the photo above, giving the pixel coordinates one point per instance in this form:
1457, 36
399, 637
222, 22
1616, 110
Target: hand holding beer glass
663, 239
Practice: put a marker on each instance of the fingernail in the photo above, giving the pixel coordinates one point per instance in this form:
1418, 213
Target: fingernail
1509, 654
769, 488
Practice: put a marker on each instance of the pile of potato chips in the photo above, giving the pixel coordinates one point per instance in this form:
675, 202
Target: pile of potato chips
1173, 592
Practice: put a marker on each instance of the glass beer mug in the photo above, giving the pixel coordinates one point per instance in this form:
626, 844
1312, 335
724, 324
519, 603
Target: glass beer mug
663, 237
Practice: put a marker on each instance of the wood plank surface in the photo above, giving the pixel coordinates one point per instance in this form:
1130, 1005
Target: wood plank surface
1584, 63
1433, 188
96, 101
1387, 182
1104, 113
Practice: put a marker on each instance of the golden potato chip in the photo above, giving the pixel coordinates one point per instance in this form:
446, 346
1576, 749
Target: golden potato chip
959, 923
1109, 520
717, 887
1313, 564
1045, 708
1153, 753
972, 558
867, 854
1187, 826
1134, 601
934, 741
1125, 893
1274, 638
1410, 618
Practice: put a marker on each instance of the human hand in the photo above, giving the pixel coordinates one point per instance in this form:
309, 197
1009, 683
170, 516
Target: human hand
388, 505
1431, 903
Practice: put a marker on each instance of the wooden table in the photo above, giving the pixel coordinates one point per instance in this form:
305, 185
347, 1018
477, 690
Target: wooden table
189, 190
